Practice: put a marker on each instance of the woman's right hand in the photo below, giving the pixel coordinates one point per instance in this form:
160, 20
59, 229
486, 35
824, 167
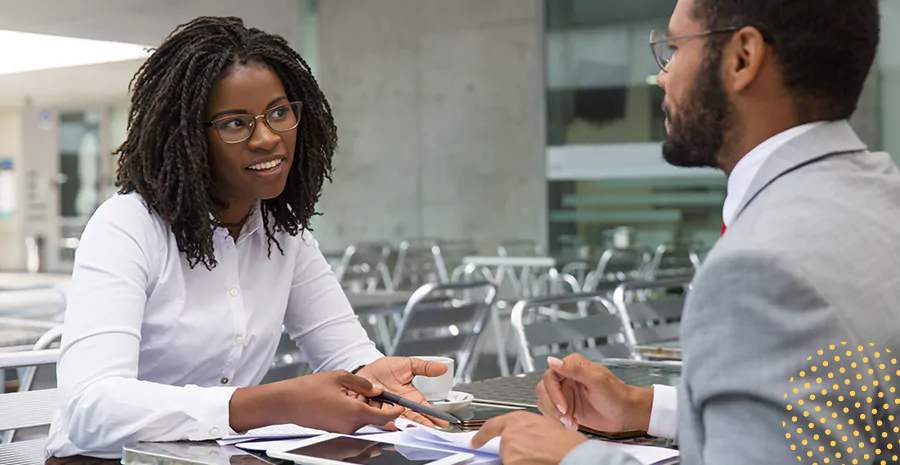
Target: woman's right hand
323, 401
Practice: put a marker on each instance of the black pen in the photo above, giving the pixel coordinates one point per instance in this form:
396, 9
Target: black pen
387, 397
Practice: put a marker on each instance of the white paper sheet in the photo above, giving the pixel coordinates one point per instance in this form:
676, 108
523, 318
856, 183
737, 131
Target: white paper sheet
283, 432
262, 446
414, 435
648, 455
431, 435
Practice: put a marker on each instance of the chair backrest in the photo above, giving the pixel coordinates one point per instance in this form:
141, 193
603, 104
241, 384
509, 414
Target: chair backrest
26, 409
44, 342
698, 253
653, 308
23, 452
445, 320
671, 261
416, 264
555, 283
579, 270
557, 326
449, 255
618, 265
364, 267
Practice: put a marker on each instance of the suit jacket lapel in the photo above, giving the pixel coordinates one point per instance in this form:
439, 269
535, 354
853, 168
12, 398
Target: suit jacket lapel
830, 139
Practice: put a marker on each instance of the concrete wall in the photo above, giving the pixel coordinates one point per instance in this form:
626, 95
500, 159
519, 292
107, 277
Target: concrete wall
38, 174
11, 240
440, 113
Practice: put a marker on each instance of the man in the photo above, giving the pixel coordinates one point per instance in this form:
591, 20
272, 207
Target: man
808, 269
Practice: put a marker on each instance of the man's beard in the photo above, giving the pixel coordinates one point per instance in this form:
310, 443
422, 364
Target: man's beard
697, 133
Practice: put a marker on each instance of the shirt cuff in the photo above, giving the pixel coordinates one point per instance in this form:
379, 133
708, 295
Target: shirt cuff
211, 413
664, 413
362, 360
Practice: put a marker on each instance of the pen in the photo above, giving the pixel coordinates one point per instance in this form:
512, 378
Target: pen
390, 398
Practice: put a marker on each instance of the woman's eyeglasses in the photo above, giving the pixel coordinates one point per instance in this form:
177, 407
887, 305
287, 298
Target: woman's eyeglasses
234, 129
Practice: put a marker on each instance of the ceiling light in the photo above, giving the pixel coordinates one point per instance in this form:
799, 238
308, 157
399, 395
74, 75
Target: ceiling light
23, 51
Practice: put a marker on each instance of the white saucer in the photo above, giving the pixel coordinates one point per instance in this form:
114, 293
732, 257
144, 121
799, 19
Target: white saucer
457, 400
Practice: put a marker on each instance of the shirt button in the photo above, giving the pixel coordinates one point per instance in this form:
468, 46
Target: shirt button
233, 291
239, 340
224, 380
214, 431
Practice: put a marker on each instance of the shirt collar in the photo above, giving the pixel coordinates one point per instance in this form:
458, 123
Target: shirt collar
254, 222
748, 166
251, 226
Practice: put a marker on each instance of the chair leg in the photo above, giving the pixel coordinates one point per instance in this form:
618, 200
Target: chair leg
382, 333
500, 341
8, 437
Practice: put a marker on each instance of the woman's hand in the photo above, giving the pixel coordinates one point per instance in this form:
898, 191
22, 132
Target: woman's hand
396, 375
325, 401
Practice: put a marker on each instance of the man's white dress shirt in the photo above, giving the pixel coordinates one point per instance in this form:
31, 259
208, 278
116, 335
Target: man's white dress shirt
153, 350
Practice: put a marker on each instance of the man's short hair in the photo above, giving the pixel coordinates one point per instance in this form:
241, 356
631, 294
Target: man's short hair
824, 48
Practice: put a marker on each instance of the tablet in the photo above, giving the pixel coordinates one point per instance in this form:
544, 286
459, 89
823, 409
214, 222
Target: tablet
335, 449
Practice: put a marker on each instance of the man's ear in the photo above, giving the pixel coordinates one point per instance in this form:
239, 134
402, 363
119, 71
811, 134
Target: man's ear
743, 58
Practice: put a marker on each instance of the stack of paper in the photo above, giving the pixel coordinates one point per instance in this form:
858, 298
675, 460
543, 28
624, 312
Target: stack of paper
414, 435
433, 436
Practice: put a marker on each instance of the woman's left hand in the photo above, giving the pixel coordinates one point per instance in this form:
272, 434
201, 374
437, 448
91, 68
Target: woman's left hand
395, 374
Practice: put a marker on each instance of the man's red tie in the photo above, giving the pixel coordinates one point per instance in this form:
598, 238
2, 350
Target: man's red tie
723, 228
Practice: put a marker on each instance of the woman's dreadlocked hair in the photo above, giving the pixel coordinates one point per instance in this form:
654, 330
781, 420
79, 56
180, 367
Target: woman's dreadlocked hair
164, 158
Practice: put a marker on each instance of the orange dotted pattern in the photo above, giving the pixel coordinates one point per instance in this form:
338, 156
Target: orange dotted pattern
844, 372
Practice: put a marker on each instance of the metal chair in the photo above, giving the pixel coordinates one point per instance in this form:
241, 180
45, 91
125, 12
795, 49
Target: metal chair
555, 283
557, 326
446, 320
449, 256
671, 261
27, 371
698, 254
26, 381
580, 270
653, 308
416, 264
514, 278
618, 265
364, 267
25, 409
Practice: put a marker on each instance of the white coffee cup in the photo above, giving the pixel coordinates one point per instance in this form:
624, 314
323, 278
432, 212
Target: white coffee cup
437, 388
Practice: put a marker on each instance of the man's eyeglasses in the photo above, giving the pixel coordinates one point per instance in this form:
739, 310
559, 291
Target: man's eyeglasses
234, 129
663, 52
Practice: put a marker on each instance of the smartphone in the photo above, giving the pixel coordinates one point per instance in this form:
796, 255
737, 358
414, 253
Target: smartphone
475, 415
335, 449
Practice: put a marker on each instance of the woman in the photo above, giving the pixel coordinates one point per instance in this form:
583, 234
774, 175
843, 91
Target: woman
183, 281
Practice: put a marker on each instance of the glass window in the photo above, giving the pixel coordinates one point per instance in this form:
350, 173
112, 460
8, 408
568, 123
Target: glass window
605, 129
